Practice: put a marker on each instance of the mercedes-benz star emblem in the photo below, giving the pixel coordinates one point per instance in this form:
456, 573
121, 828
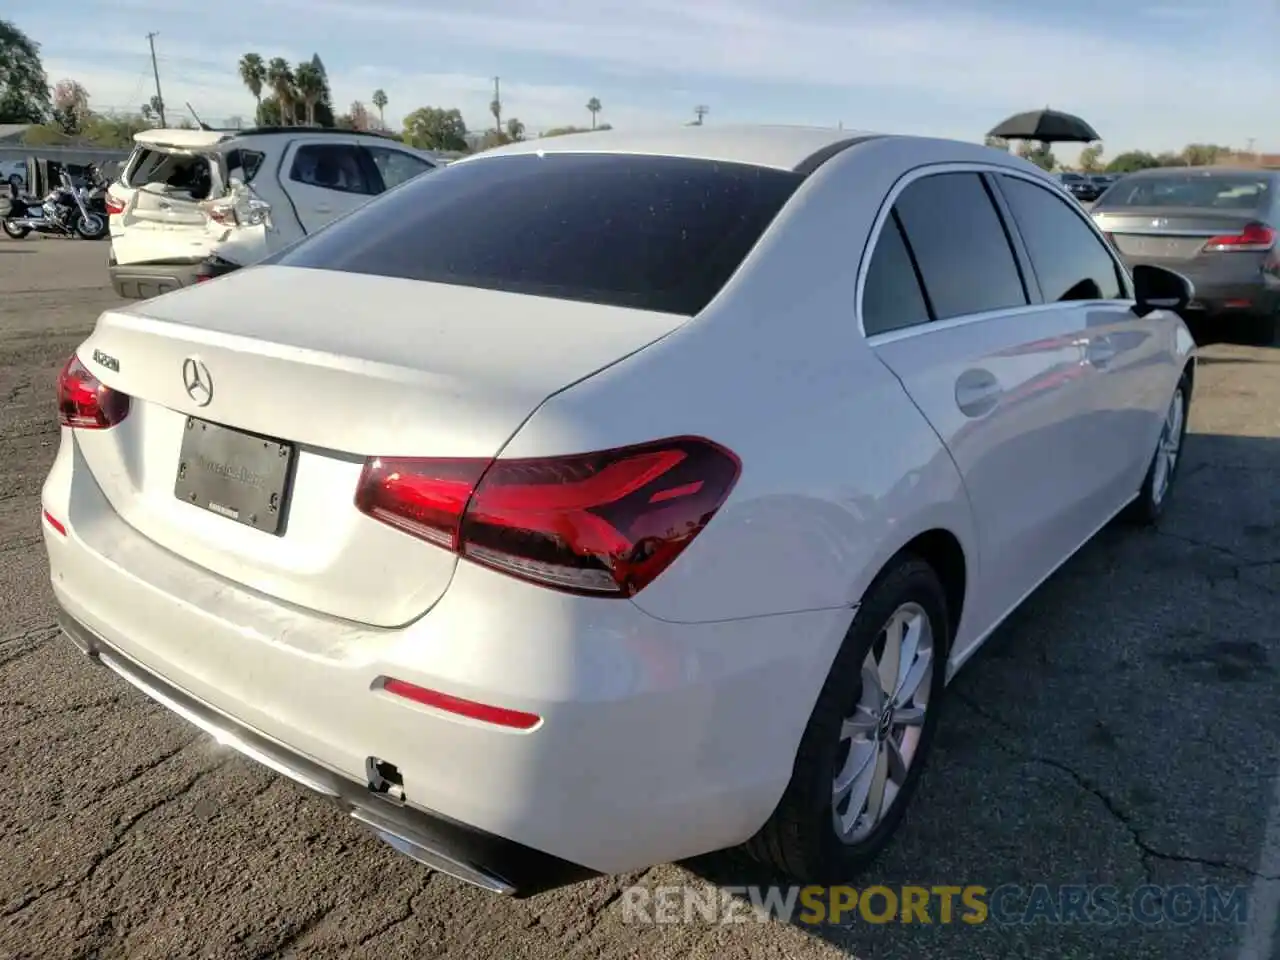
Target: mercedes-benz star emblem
195, 377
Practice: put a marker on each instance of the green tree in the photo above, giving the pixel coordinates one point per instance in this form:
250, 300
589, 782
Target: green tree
495, 107
309, 83
380, 104
435, 128
1170, 159
593, 107
253, 72
70, 107
1038, 153
1132, 161
280, 80
996, 143
24, 88
515, 129
1203, 154
1091, 158
323, 115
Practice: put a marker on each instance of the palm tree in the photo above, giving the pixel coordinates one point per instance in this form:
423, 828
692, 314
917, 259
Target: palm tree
310, 84
280, 80
495, 107
380, 101
254, 74
593, 105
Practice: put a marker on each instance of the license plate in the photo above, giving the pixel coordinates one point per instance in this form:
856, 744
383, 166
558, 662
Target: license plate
241, 476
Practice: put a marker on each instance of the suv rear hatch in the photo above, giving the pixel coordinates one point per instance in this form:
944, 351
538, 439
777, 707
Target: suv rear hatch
163, 184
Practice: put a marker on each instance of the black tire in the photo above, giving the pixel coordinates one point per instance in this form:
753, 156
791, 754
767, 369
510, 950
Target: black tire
800, 837
1150, 505
16, 232
93, 227
1265, 330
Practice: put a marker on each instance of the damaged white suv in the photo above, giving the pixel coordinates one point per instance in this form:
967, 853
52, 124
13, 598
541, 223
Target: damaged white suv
191, 205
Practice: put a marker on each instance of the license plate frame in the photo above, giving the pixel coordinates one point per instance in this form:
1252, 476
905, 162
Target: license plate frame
241, 476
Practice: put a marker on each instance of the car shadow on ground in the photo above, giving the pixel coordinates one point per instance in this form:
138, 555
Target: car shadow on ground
1116, 730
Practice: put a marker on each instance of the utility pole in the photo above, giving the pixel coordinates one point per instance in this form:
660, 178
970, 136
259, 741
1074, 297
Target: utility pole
496, 107
701, 110
155, 70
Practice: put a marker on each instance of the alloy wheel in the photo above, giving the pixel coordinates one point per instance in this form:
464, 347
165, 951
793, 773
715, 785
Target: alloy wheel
1168, 448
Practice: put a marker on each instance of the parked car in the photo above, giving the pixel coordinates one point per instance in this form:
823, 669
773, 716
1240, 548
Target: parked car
191, 205
1082, 187
644, 508
1217, 226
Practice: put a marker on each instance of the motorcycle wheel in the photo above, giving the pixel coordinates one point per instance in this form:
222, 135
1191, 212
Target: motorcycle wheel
16, 232
92, 227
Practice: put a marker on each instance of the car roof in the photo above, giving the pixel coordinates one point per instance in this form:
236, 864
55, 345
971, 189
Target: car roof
185, 139
778, 146
1160, 173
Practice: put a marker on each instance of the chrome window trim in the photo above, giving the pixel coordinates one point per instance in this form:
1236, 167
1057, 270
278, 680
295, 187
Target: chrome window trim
969, 166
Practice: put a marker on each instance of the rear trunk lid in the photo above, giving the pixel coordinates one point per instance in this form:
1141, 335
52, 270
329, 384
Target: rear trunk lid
1164, 234
340, 367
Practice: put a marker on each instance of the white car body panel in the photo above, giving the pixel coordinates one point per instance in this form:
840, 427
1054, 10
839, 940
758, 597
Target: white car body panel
162, 224
670, 720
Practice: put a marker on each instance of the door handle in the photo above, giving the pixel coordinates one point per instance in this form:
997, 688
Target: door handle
977, 392
1100, 351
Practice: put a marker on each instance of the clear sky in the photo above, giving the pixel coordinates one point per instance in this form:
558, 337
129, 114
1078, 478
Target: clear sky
1152, 74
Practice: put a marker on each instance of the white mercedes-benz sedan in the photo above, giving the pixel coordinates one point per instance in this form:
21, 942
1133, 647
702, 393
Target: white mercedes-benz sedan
601, 501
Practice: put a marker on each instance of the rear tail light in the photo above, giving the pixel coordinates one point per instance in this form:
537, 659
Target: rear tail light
85, 402
600, 524
500, 716
1254, 238
114, 206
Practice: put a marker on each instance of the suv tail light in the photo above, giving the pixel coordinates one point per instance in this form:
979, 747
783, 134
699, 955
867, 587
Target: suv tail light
1254, 238
599, 524
114, 205
84, 402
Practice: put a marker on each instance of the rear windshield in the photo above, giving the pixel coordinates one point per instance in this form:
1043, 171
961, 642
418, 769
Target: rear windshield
652, 233
1222, 191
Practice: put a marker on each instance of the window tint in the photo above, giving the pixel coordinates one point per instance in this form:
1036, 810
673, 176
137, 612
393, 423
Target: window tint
244, 164
1069, 260
654, 233
960, 245
396, 166
1246, 192
331, 166
891, 297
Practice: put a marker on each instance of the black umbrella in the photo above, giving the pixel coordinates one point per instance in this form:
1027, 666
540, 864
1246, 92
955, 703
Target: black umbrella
1046, 126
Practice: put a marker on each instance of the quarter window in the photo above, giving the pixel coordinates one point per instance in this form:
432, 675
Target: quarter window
891, 296
960, 245
1069, 259
396, 166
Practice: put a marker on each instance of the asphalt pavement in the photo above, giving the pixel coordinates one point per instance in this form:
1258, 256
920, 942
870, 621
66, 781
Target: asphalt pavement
1119, 730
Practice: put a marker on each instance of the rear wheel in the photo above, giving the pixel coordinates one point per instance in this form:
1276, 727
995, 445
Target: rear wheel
1149, 507
861, 755
16, 232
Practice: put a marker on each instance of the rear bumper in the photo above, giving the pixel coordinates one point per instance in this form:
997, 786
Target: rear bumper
652, 745
141, 281
473, 856
1234, 299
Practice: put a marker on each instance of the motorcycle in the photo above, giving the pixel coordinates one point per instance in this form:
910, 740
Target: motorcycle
66, 211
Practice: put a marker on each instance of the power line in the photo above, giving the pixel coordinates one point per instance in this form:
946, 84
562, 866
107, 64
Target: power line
155, 70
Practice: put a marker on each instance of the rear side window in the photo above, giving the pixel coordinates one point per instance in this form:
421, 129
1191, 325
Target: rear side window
396, 166
891, 297
1069, 260
960, 245
653, 233
244, 164
330, 166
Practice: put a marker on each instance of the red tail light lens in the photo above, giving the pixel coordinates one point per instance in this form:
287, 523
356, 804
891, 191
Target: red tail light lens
85, 402
114, 206
1254, 238
600, 524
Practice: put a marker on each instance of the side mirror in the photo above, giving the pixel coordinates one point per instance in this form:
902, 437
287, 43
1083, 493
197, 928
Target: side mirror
1156, 288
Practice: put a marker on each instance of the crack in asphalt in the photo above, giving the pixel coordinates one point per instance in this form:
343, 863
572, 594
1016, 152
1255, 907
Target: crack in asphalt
405, 914
121, 835
1145, 850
